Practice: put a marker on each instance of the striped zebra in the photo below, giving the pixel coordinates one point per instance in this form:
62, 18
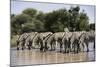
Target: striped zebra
21, 41
86, 38
66, 41
74, 41
49, 41
41, 40
29, 40
55, 40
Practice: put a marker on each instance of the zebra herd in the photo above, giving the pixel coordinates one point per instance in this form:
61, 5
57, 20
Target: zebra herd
66, 41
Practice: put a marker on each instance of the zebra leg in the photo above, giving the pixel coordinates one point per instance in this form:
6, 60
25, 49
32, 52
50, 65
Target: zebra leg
22, 45
51, 47
73, 47
17, 48
51, 44
65, 46
41, 47
68, 47
17, 45
81, 45
29, 48
94, 45
87, 46
54, 47
78, 48
60, 47
30, 45
45, 47
56, 42
33, 45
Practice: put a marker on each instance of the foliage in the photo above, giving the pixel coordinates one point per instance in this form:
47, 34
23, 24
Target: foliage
92, 26
33, 20
30, 11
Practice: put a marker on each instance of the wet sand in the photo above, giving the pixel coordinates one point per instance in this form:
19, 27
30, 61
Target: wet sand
34, 57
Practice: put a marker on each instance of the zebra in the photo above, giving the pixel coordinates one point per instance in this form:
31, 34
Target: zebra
50, 42
74, 41
92, 37
45, 41
41, 39
21, 41
66, 41
54, 40
29, 40
86, 38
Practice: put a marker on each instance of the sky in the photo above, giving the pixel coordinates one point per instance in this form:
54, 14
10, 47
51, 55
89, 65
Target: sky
18, 6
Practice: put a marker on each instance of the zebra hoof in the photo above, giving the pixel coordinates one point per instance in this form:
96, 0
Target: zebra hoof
51, 50
41, 49
22, 48
17, 48
29, 48
60, 51
64, 52
87, 50
77, 52
44, 51
67, 51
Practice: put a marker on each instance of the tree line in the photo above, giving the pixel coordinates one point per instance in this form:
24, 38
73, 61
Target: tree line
55, 21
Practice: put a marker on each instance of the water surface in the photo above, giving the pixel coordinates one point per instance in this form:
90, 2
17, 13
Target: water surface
34, 57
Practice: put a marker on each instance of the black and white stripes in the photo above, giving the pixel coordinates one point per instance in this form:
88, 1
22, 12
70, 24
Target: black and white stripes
66, 41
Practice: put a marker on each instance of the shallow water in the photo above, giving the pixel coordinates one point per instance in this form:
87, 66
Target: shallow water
34, 56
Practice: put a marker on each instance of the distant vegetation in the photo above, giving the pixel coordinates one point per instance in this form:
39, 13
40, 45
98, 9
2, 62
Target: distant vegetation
33, 20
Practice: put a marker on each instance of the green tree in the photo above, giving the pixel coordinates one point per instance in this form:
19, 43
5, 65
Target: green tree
73, 17
15, 28
40, 16
28, 27
92, 26
38, 25
83, 21
23, 18
35, 25
18, 21
55, 21
30, 11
